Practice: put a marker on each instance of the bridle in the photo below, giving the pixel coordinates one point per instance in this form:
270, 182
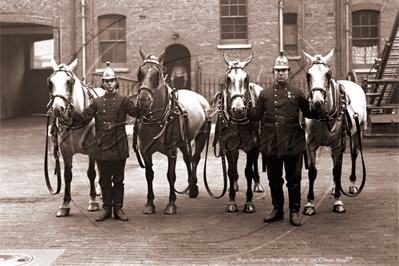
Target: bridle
323, 90
333, 114
168, 109
71, 83
228, 100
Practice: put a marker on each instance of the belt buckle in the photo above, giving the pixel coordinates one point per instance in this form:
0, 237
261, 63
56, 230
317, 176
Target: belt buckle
280, 120
107, 125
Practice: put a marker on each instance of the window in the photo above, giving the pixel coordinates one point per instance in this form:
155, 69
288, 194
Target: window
290, 34
113, 39
365, 35
42, 53
233, 21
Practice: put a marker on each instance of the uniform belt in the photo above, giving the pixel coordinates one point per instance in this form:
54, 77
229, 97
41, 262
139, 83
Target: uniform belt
281, 120
109, 125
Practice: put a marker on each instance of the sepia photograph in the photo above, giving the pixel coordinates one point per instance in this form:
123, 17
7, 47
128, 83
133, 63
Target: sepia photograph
199, 132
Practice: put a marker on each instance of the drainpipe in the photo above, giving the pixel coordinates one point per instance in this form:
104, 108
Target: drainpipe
281, 24
303, 30
338, 38
73, 41
83, 41
92, 41
347, 35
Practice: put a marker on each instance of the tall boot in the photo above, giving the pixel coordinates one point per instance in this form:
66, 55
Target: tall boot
119, 214
294, 193
107, 204
278, 204
105, 214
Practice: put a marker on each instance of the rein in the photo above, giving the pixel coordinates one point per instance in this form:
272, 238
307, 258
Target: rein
57, 170
222, 150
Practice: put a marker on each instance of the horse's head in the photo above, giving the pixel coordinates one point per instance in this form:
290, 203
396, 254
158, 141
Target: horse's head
150, 78
61, 84
237, 86
319, 79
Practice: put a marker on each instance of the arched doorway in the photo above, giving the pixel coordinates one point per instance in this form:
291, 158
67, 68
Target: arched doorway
176, 54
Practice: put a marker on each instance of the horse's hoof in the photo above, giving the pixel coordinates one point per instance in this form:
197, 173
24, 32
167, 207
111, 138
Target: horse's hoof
353, 189
339, 209
149, 209
249, 208
193, 193
231, 207
93, 207
309, 211
63, 212
170, 210
258, 188
333, 191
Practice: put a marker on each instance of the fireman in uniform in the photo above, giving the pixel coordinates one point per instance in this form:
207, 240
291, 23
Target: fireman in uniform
110, 112
282, 140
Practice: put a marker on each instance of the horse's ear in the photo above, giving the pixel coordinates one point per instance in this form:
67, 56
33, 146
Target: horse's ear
328, 57
248, 60
54, 64
160, 57
226, 59
73, 65
143, 56
308, 56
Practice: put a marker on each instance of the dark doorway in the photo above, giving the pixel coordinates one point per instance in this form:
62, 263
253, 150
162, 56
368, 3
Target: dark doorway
173, 54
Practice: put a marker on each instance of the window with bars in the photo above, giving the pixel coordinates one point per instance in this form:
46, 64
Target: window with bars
365, 41
233, 21
290, 34
113, 39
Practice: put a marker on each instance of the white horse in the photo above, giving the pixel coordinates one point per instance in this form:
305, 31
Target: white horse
331, 98
67, 92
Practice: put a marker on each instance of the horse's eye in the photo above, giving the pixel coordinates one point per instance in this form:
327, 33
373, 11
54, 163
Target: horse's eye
140, 76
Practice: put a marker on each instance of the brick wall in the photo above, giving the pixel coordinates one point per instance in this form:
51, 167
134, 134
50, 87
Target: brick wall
152, 23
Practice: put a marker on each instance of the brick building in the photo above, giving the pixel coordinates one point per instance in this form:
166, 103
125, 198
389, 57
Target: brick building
196, 32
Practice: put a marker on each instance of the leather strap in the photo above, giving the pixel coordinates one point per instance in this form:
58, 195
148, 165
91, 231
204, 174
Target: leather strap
281, 120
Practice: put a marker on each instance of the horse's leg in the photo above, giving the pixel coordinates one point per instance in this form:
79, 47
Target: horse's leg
64, 209
312, 174
235, 180
91, 174
193, 162
337, 171
354, 153
149, 207
232, 159
258, 186
249, 173
171, 207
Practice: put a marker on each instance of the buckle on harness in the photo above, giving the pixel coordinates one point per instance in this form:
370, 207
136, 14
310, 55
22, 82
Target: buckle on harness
280, 120
107, 125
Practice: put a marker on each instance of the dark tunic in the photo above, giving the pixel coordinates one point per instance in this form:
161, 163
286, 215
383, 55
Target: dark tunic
110, 112
279, 107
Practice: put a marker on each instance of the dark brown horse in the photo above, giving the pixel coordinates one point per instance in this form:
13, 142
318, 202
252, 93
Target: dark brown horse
67, 92
175, 119
235, 132
338, 103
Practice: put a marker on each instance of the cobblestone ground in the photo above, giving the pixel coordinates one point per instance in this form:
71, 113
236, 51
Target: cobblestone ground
201, 232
